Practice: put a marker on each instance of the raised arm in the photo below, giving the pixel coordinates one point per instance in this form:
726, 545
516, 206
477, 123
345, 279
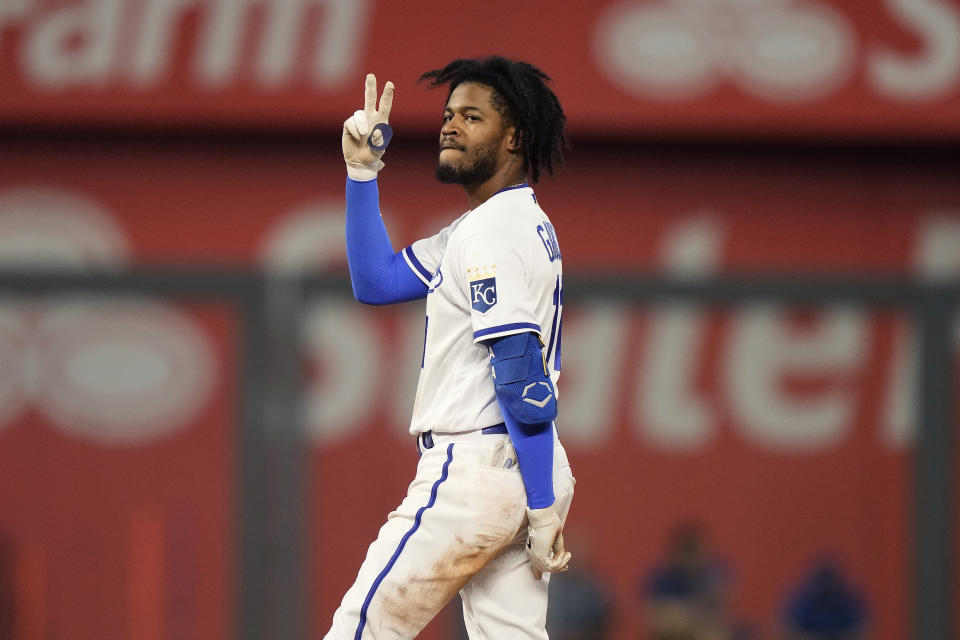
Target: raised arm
378, 274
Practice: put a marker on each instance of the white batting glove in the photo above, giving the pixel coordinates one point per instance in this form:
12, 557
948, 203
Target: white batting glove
545, 542
366, 133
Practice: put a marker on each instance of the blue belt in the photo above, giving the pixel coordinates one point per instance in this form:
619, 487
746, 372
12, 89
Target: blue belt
426, 438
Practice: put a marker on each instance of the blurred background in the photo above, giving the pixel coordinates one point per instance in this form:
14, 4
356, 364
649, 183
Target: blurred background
201, 431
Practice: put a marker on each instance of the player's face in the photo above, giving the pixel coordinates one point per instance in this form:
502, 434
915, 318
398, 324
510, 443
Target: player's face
474, 143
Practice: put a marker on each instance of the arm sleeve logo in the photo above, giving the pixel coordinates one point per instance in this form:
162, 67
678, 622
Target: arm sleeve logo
482, 287
483, 294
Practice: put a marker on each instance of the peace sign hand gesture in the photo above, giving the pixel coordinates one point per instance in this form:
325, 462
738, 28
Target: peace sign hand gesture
366, 133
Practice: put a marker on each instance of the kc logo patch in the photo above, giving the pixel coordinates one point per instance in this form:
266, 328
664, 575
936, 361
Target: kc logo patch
483, 294
483, 287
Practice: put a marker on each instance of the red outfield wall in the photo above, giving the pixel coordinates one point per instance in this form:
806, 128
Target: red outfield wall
787, 432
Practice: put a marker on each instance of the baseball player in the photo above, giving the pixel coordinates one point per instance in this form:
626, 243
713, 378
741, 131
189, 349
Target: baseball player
484, 514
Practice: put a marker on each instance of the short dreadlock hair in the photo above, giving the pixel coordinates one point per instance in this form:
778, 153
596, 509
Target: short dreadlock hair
524, 101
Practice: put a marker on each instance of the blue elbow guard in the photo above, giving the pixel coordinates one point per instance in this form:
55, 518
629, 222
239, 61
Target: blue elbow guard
521, 379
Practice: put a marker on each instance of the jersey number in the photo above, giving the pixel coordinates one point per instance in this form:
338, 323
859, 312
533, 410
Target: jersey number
553, 348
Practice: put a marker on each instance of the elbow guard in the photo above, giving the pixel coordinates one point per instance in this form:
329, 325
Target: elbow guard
521, 378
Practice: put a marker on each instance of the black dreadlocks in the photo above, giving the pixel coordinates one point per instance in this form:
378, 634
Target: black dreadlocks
522, 98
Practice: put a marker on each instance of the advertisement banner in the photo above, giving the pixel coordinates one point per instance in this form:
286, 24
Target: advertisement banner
780, 68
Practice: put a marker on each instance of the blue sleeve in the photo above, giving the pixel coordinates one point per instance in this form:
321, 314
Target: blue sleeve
378, 275
534, 446
520, 383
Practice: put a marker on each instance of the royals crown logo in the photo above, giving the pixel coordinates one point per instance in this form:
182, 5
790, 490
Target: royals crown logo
482, 272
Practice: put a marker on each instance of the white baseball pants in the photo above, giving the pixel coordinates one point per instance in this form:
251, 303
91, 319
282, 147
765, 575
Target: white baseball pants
462, 527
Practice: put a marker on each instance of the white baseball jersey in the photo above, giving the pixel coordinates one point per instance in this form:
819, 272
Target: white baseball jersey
462, 525
493, 272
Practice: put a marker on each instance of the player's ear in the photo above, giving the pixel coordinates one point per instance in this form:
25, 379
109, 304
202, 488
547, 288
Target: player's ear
514, 140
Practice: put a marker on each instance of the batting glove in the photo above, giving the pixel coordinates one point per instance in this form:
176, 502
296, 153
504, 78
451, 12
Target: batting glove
366, 133
545, 542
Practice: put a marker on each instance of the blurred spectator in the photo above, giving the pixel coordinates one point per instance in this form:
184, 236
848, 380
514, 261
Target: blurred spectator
580, 605
824, 606
686, 598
